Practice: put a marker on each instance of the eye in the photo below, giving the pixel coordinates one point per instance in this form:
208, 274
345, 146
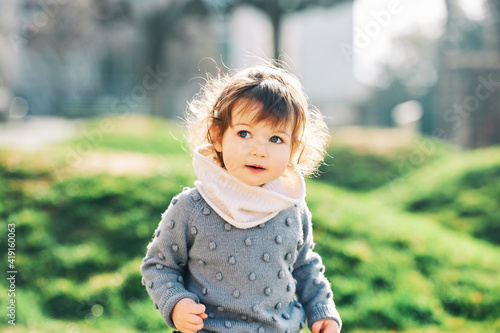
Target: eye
244, 134
276, 139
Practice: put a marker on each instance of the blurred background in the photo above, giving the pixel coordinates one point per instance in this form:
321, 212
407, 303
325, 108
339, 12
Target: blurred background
407, 206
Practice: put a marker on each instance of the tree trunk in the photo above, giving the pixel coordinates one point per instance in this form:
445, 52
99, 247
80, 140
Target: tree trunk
276, 24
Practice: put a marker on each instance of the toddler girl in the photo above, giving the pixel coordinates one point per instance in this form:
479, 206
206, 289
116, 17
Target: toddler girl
235, 253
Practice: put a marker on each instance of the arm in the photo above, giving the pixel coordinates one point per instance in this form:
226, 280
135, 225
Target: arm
313, 289
165, 264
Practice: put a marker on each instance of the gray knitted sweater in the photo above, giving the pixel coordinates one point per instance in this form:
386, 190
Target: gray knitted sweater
261, 279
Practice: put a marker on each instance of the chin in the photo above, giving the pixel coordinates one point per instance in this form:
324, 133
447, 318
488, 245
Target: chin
254, 183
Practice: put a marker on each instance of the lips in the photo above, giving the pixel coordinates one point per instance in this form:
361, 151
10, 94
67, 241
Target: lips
255, 168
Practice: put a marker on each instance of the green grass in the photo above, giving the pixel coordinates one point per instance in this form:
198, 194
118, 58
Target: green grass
460, 191
84, 226
398, 270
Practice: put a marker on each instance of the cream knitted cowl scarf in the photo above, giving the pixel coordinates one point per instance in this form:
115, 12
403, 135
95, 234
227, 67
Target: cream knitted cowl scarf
242, 205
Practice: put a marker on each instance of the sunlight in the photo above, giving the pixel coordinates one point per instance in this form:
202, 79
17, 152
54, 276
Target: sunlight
378, 22
474, 10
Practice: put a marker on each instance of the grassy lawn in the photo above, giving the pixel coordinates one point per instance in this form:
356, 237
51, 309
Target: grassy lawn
413, 250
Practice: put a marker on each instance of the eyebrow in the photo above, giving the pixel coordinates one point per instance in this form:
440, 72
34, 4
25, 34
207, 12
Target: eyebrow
281, 132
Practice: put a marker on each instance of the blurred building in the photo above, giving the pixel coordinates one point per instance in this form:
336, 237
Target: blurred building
469, 85
84, 58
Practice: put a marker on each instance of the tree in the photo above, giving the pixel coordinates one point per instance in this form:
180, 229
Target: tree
276, 10
162, 26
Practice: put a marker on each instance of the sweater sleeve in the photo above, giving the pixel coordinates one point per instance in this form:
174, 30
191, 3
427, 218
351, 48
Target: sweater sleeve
313, 289
166, 260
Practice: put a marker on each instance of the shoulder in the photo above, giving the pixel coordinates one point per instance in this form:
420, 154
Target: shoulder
298, 211
188, 197
305, 218
184, 202
303, 210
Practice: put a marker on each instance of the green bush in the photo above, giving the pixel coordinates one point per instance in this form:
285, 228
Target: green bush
357, 171
78, 228
399, 271
108, 221
467, 200
361, 167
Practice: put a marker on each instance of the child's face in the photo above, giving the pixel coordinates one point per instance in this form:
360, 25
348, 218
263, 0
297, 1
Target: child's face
254, 153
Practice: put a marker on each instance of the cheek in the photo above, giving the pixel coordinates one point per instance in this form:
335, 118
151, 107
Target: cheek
230, 157
283, 157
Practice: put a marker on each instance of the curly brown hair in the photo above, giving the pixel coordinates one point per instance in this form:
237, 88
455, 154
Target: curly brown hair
281, 99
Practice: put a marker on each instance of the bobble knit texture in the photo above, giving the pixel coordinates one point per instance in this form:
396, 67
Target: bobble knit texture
261, 279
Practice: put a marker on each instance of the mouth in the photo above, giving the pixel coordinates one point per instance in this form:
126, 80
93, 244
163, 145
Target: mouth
255, 168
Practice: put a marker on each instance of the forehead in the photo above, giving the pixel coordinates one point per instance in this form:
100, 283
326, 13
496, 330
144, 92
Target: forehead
252, 112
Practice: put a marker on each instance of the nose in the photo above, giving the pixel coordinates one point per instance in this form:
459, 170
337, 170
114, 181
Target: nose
259, 149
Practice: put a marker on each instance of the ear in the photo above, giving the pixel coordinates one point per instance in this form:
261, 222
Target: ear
216, 138
218, 146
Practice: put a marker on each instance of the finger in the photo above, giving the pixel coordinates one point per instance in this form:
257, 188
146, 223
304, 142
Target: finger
194, 319
330, 326
316, 327
193, 307
330, 329
194, 328
188, 328
198, 308
200, 311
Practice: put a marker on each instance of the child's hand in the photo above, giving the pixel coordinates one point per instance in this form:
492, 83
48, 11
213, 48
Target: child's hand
188, 316
325, 326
